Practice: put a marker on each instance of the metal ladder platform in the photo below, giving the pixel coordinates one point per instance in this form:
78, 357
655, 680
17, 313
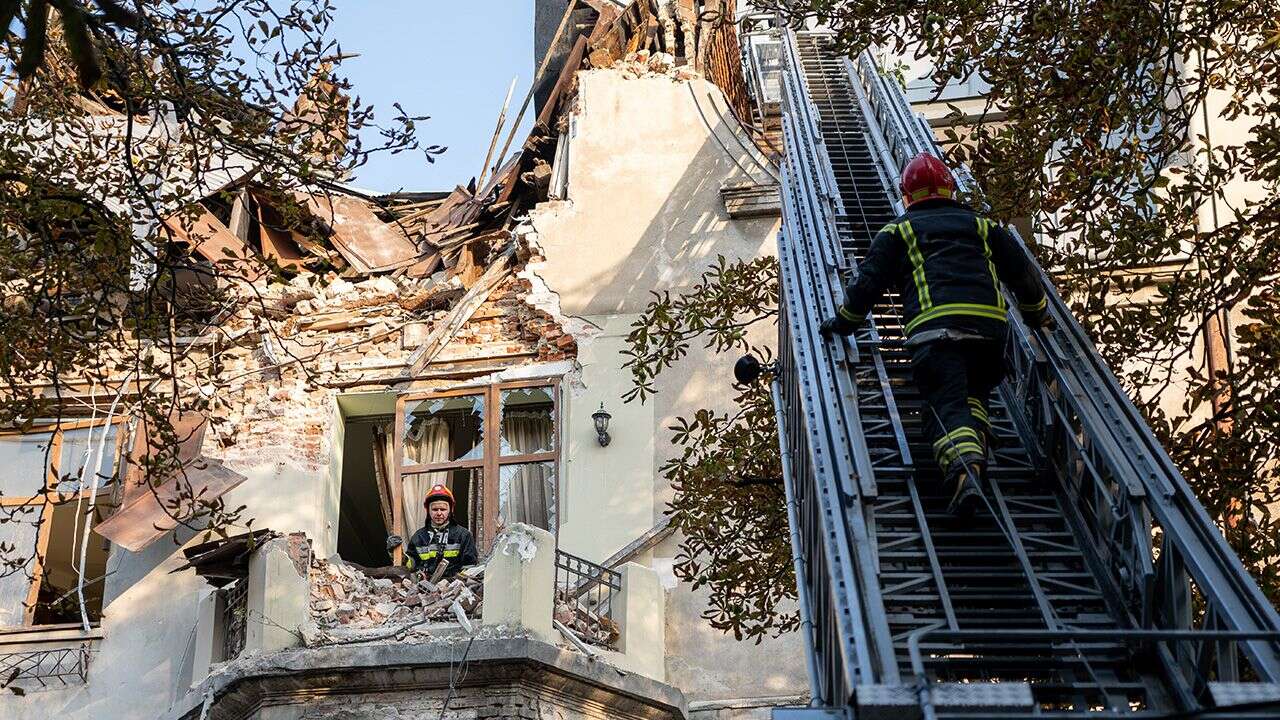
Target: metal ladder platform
1054, 603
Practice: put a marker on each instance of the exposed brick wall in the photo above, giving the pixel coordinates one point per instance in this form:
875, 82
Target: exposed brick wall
304, 343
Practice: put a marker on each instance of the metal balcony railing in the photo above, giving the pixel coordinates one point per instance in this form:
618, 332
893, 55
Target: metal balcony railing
63, 665
585, 594
234, 603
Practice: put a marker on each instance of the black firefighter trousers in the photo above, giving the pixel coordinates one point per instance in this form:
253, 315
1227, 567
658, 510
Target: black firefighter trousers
956, 378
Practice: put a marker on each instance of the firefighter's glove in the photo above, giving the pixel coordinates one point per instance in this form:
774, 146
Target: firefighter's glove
837, 325
393, 542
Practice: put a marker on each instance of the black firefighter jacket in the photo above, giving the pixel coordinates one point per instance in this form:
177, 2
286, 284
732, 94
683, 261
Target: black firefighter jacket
429, 546
947, 263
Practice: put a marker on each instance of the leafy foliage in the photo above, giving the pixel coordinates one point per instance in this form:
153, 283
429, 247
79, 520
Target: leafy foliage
727, 478
1144, 142
120, 116
730, 507
729, 298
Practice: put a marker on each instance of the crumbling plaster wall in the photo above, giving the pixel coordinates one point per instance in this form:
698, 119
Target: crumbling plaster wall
277, 421
143, 662
644, 214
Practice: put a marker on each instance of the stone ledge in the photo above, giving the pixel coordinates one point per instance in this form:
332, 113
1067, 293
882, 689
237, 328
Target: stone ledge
297, 677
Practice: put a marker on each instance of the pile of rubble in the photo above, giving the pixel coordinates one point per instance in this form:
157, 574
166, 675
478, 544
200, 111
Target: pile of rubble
344, 596
585, 623
643, 64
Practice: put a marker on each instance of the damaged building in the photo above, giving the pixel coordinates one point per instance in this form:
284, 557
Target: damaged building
471, 338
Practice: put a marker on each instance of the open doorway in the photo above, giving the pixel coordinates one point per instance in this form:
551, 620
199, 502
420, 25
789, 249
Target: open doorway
362, 523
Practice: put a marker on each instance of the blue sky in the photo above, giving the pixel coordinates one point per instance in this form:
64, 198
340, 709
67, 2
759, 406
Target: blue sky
452, 61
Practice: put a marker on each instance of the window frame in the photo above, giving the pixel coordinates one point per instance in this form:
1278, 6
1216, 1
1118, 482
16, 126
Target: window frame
491, 461
50, 498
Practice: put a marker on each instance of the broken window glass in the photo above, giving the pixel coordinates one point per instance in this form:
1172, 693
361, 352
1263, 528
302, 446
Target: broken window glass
768, 66
527, 494
528, 421
445, 429
18, 529
79, 449
24, 459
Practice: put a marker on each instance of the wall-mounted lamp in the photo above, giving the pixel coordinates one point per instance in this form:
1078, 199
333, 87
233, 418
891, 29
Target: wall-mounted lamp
602, 417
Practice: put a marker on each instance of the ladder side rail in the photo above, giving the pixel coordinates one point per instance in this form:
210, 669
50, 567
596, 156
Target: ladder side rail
850, 456
840, 646
1110, 419
808, 298
805, 114
813, 221
885, 163
830, 434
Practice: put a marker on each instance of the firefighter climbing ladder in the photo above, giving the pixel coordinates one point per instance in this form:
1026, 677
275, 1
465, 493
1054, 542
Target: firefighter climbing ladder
1095, 585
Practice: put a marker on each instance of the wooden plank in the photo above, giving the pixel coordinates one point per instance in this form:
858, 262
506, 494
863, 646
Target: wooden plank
608, 15
238, 223
188, 430
489, 482
571, 65
425, 267
498, 271
37, 570
650, 539
469, 268
368, 243
397, 487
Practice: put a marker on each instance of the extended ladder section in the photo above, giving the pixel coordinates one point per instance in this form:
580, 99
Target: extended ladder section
1093, 582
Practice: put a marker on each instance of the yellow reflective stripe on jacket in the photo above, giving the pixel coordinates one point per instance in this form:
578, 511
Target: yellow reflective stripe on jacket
984, 227
917, 264
844, 313
975, 310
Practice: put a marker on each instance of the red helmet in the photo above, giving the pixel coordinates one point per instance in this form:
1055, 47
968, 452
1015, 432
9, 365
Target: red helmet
438, 492
926, 178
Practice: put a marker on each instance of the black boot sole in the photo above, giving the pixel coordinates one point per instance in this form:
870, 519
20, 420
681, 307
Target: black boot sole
966, 505
966, 500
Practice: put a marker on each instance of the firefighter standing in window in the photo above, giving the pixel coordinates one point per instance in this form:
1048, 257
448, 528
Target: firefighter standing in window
440, 538
946, 261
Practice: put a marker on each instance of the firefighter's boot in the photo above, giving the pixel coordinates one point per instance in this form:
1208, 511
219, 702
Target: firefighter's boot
966, 495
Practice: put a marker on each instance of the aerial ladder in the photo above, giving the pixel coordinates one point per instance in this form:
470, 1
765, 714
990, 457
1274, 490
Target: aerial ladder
1092, 584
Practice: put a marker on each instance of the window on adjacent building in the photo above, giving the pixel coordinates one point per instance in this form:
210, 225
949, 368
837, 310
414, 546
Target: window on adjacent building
766, 76
496, 448
46, 474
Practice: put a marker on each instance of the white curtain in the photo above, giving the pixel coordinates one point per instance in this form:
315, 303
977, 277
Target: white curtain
526, 493
430, 444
